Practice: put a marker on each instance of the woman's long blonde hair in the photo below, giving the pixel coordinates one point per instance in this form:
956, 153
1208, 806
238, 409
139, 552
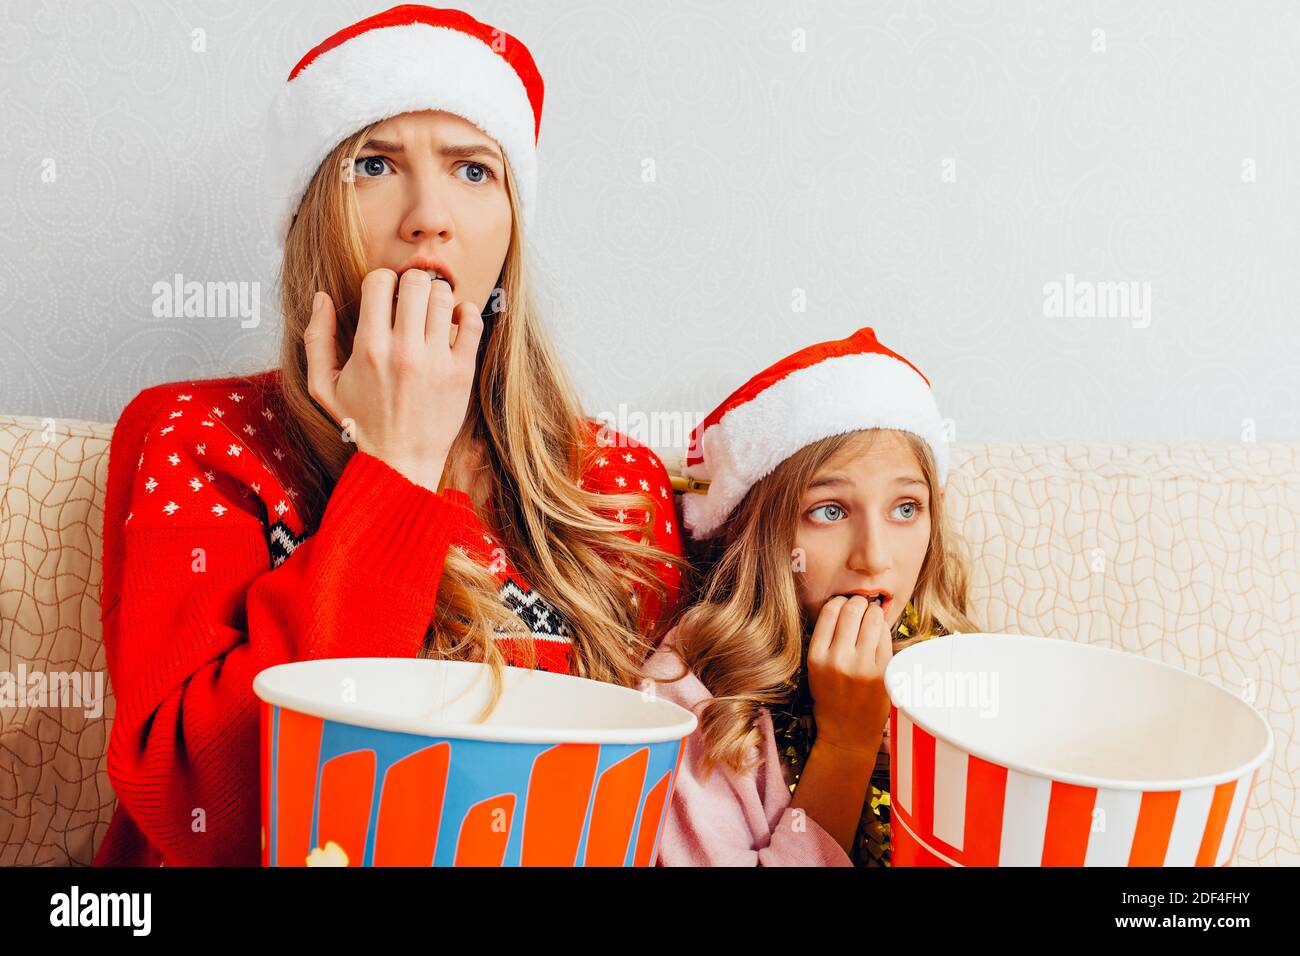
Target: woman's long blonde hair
538, 441
744, 632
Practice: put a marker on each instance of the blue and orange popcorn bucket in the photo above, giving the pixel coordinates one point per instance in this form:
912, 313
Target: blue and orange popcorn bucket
385, 762
1012, 750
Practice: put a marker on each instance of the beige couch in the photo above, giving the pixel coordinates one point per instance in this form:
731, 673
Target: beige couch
1189, 554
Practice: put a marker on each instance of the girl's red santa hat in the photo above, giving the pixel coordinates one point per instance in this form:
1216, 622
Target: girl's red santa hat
825, 389
409, 58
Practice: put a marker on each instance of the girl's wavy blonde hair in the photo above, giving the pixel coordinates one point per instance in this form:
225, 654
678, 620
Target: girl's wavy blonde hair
744, 632
538, 441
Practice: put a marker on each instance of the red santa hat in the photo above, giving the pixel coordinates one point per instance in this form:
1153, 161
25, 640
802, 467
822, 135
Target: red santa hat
409, 58
825, 389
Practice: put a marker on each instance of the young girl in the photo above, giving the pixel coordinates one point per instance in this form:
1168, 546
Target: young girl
417, 478
826, 551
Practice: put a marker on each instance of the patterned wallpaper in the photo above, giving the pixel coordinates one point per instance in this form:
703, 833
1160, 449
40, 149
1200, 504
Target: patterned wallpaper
720, 183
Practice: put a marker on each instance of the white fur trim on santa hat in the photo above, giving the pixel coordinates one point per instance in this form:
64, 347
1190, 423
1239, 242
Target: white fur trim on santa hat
382, 73
834, 396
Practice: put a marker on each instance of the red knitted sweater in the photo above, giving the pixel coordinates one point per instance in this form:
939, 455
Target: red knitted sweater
210, 576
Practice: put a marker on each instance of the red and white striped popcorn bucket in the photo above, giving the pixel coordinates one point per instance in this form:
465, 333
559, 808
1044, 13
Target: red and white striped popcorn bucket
1012, 750
383, 762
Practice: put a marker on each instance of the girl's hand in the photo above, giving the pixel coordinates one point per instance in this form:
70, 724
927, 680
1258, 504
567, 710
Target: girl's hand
850, 648
405, 388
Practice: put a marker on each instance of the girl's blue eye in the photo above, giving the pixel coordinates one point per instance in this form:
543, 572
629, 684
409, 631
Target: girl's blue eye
914, 505
370, 167
487, 173
836, 509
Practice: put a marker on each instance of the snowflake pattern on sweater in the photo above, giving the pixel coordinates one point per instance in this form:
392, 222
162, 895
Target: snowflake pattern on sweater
215, 448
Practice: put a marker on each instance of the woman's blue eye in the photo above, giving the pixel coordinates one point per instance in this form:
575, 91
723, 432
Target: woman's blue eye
369, 167
487, 173
836, 509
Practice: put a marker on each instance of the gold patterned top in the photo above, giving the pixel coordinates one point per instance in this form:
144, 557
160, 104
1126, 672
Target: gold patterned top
795, 732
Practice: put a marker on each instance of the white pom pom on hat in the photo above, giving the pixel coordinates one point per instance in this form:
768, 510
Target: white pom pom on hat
406, 59
825, 389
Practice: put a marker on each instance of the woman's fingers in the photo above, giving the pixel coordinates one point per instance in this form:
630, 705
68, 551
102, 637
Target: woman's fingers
375, 317
469, 330
403, 386
322, 352
437, 321
413, 294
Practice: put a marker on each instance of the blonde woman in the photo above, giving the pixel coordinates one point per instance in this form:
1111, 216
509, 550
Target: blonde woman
417, 478
824, 550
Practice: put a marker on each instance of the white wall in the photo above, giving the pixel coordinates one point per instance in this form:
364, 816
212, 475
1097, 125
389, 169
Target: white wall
1168, 158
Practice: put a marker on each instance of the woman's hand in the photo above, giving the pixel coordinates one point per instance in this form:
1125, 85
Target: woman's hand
404, 390
850, 648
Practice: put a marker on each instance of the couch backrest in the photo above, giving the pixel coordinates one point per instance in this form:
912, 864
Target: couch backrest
1188, 554
55, 798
